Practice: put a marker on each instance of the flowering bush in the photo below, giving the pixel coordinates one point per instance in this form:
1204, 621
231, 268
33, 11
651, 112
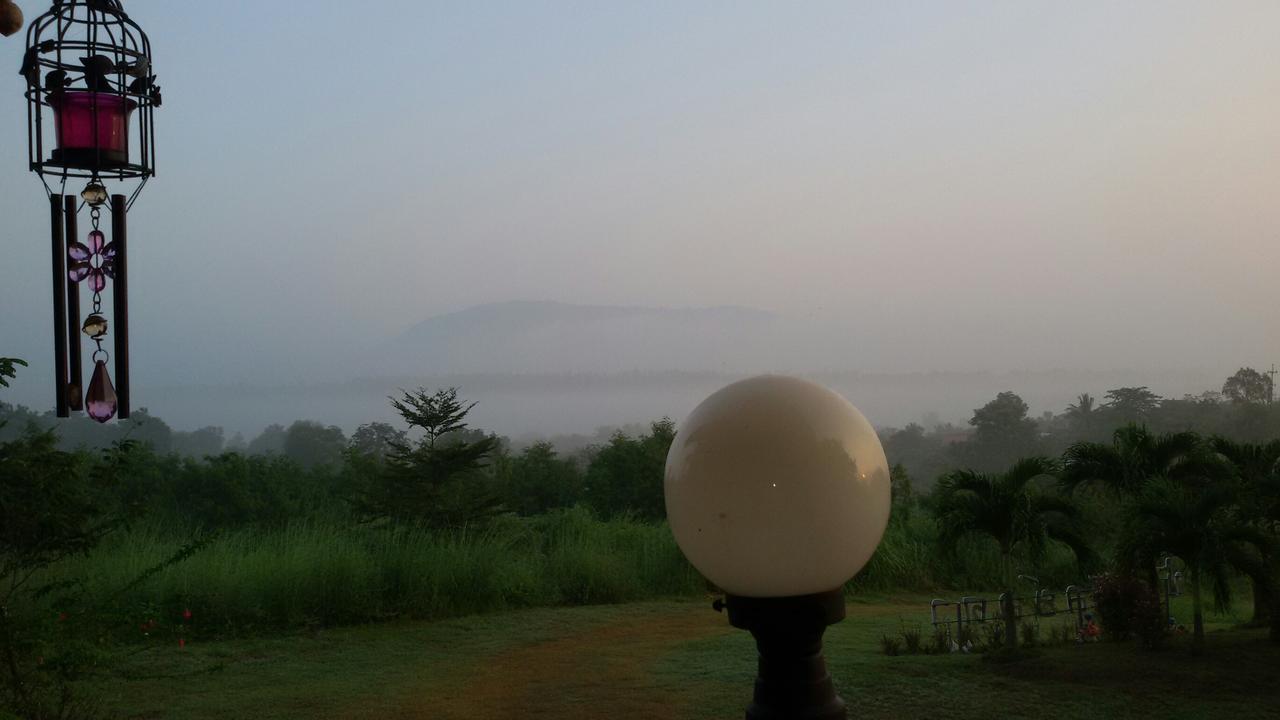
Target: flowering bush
1127, 606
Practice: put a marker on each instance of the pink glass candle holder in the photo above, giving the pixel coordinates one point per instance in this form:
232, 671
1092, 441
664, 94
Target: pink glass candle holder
92, 128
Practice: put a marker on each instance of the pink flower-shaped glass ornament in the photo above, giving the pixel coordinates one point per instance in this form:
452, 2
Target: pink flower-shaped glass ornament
83, 263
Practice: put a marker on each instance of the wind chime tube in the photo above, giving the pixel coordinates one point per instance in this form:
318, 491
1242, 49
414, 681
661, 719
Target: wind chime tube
120, 302
75, 388
59, 307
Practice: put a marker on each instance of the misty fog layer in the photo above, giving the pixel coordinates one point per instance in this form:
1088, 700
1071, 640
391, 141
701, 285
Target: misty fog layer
1080, 195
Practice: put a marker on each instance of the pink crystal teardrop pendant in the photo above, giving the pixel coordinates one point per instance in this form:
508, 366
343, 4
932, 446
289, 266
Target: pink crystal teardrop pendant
100, 402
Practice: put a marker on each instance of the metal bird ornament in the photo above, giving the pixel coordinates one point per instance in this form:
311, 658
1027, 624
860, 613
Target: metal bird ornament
56, 80
138, 69
140, 85
96, 70
10, 18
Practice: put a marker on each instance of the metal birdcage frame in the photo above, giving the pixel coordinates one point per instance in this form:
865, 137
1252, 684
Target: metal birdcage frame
88, 68
63, 50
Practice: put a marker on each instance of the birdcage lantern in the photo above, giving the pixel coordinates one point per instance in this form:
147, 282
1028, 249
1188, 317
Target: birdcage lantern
91, 93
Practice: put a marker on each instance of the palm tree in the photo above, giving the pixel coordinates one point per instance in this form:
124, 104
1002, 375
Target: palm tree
1134, 456
1258, 470
1009, 508
1191, 517
1082, 412
1122, 468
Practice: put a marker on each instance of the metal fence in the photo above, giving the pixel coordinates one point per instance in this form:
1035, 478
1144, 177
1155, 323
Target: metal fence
1076, 601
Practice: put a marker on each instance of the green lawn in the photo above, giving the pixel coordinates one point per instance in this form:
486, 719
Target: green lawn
671, 660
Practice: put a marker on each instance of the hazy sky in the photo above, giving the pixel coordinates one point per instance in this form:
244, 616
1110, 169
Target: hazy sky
1002, 185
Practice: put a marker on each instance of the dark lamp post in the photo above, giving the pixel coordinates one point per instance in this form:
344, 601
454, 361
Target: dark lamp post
777, 490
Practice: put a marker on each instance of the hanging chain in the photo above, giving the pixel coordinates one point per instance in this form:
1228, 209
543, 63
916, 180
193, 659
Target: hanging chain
95, 216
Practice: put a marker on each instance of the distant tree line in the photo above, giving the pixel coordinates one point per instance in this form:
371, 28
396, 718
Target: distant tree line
308, 464
1002, 431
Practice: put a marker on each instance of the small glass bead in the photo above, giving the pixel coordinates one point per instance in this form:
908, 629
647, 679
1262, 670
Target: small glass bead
95, 326
94, 194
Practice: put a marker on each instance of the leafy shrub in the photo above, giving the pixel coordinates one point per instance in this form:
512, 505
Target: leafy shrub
890, 646
940, 643
1125, 603
1063, 634
1029, 634
992, 636
912, 641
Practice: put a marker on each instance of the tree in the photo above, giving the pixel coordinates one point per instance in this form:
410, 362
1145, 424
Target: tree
311, 444
376, 439
1134, 457
626, 476
1002, 433
198, 443
538, 480
1258, 472
232, 490
909, 442
435, 481
144, 428
1082, 415
1003, 418
7, 369
901, 492
1248, 386
1131, 404
270, 440
1011, 509
1189, 516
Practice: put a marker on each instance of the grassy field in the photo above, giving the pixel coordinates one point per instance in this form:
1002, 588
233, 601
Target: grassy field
327, 573
670, 659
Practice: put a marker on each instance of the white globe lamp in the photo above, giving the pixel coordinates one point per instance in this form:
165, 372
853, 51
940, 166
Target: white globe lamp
777, 490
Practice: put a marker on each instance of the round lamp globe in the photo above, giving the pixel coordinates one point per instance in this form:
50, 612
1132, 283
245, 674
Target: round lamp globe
776, 487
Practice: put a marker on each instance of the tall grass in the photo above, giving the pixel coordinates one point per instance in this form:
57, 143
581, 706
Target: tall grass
328, 571
324, 572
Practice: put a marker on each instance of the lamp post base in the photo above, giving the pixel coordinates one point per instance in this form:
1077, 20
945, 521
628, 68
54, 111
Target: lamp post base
792, 681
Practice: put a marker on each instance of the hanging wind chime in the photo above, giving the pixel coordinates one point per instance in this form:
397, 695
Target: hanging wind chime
88, 72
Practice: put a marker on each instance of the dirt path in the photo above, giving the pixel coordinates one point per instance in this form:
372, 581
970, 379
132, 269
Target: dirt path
599, 673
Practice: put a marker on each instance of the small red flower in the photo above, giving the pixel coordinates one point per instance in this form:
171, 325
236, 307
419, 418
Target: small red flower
182, 642
62, 617
186, 614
